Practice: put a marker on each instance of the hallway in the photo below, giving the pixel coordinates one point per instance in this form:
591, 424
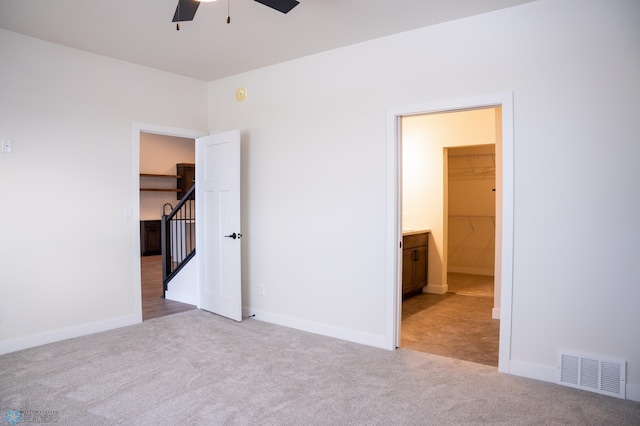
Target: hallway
457, 324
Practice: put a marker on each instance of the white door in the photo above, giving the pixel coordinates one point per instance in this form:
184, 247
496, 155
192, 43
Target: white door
218, 223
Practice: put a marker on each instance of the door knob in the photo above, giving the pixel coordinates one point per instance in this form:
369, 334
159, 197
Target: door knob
234, 235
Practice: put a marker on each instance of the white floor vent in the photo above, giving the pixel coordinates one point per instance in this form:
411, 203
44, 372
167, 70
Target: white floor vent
592, 373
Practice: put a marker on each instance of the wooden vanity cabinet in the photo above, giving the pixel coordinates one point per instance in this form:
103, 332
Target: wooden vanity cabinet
415, 253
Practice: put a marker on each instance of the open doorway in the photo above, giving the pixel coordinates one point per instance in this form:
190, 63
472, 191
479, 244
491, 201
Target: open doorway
151, 145
166, 163
457, 324
437, 268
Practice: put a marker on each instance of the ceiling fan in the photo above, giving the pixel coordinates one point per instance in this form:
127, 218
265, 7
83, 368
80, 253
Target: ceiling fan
186, 9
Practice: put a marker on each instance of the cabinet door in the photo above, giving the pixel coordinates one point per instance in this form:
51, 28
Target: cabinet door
150, 238
415, 259
187, 173
419, 267
407, 271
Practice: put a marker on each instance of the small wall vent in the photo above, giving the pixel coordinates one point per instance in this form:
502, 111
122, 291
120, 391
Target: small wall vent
592, 373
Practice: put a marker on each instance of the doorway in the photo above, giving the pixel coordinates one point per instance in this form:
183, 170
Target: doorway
139, 130
457, 324
163, 163
437, 256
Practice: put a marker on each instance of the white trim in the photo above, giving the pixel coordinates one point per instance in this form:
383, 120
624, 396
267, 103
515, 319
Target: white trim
533, 371
394, 211
435, 289
507, 217
167, 131
633, 392
66, 333
495, 313
316, 328
394, 231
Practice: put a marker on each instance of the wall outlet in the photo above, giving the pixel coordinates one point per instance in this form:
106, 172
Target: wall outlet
262, 290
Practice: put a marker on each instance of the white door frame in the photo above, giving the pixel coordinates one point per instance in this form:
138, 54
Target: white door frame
135, 199
504, 215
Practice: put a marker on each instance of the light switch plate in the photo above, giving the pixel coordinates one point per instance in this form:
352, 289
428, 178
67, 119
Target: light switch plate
7, 145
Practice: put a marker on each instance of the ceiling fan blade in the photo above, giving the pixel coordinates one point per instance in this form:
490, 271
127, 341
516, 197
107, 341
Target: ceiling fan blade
283, 6
186, 9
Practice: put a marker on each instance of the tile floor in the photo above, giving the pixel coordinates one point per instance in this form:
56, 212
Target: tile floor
457, 324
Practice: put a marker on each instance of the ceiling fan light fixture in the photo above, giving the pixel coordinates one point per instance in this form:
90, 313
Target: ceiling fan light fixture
186, 9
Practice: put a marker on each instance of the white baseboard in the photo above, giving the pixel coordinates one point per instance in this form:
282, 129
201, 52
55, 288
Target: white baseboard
435, 289
633, 392
39, 339
178, 296
533, 371
550, 374
374, 340
470, 270
495, 313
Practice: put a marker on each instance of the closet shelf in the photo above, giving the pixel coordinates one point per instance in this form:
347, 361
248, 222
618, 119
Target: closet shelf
184, 178
161, 189
159, 176
155, 175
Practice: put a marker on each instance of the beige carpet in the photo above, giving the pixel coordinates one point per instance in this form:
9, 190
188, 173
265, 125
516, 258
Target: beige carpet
196, 368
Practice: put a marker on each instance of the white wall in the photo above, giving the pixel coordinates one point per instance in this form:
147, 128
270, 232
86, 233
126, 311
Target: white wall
314, 181
314, 177
424, 139
159, 154
66, 248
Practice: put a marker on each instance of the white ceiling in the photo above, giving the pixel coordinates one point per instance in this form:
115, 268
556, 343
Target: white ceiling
141, 31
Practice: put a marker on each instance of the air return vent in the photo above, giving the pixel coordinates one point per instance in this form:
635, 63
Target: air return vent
592, 373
